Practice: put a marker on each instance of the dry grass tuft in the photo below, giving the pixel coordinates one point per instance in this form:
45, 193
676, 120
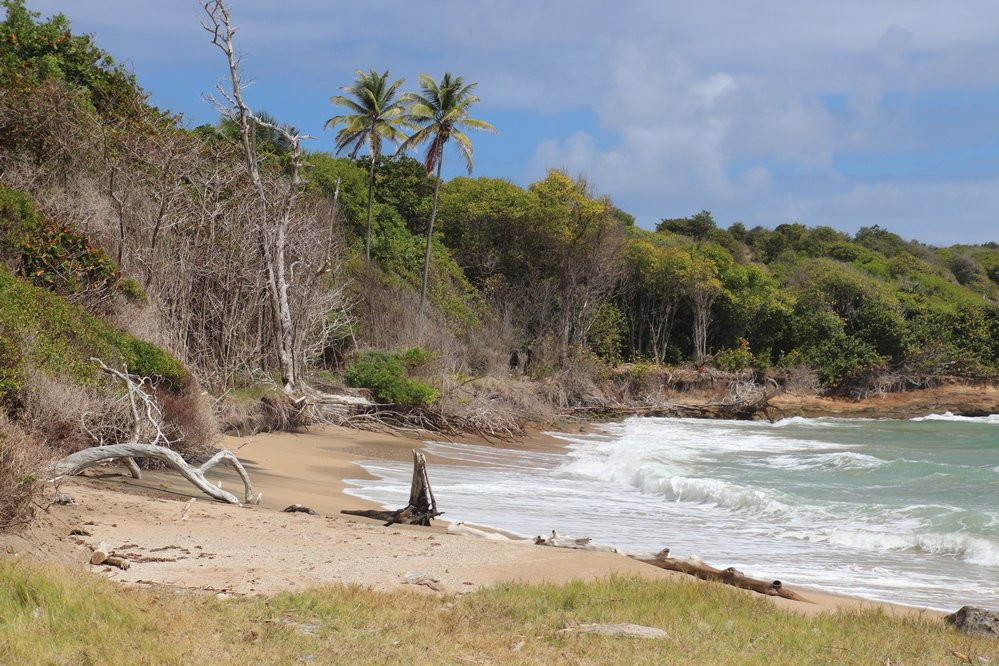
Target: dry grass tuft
21, 459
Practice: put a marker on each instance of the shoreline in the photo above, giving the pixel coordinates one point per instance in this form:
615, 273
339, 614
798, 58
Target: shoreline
260, 550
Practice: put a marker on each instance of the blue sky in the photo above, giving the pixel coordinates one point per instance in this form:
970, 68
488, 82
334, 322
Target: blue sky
840, 113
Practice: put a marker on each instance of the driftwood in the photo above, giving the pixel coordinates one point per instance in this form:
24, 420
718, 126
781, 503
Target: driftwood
692, 566
148, 419
81, 460
104, 555
298, 508
729, 576
422, 507
561, 541
741, 406
138, 394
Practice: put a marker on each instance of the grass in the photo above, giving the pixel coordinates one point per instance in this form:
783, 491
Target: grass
54, 615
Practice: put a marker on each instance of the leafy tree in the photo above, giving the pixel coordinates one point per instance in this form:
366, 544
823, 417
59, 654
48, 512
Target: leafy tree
402, 183
33, 51
703, 287
375, 114
441, 112
698, 226
652, 290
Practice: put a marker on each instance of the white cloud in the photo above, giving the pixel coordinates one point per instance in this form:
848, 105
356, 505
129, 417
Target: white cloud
720, 104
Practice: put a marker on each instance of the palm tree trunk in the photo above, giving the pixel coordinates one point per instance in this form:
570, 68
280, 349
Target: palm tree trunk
430, 235
371, 189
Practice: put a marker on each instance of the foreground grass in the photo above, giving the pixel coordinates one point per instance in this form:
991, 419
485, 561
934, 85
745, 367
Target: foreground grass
53, 615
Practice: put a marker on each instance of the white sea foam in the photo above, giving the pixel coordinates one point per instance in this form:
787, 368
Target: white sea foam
805, 505
835, 460
948, 416
974, 550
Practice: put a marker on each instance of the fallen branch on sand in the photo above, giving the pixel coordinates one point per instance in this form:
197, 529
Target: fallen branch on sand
422, 507
81, 460
691, 566
729, 576
148, 419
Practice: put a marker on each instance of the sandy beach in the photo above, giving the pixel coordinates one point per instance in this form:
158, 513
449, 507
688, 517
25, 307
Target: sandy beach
173, 541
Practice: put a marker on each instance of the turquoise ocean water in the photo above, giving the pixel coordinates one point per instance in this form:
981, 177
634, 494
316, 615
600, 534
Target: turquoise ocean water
901, 511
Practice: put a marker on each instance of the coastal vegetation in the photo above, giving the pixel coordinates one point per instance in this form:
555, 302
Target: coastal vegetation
49, 614
227, 259
237, 277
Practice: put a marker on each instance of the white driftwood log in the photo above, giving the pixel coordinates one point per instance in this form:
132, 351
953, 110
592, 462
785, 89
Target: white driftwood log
81, 460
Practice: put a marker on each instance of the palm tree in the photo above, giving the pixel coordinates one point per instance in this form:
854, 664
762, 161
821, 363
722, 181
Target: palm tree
441, 112
375, 114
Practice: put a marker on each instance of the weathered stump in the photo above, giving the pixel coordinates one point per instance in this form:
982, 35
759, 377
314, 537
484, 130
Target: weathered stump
422, 507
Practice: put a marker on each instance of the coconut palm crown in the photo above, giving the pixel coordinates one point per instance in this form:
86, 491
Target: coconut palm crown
441, 113
374, 114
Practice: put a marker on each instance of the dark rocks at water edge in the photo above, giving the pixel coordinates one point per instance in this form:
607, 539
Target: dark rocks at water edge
975, 621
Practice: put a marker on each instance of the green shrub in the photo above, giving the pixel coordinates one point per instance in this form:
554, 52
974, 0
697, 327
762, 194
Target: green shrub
50, 255
842, 359
384, 373
733, 360
41, 330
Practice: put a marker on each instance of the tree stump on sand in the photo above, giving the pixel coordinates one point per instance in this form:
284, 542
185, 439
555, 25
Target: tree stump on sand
422, 507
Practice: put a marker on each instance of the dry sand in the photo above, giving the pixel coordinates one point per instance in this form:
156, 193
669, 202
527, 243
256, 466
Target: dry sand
206, 545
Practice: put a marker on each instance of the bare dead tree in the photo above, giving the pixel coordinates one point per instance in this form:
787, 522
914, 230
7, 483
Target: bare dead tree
275, 208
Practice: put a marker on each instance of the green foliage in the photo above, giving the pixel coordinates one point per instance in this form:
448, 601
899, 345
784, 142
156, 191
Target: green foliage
326, 173
606, 336
50, 255
738, 358
399, 253
34, 51
698, 226
403, 184
385, 374
841, 359
40, 330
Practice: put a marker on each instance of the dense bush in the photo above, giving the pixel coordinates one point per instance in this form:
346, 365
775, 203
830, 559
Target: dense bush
385, 374
40, 330
733, 360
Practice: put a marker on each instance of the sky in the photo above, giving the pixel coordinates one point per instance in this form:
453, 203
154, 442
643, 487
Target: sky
842, 113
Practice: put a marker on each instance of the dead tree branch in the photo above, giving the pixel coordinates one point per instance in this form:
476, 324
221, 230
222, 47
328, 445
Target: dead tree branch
81, 460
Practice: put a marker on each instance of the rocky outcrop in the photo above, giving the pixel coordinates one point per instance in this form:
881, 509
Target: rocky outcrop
975, 621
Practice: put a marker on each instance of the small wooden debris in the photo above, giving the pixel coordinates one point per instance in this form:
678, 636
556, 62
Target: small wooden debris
79, 531
298, 508
101, 552
187, 508
420, 578
104, 555
119, 562
624, 630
